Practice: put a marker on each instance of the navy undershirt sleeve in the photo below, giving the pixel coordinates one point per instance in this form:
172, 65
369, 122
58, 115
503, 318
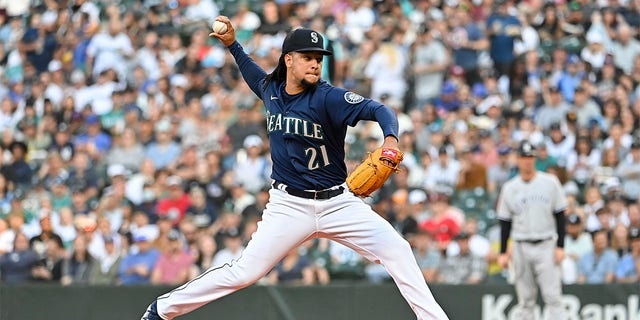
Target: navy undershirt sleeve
388, 121
252, 73
505, 232
354, 108
560, 228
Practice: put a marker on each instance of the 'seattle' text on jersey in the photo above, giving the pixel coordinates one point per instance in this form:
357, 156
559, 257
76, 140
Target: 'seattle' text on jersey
292, 125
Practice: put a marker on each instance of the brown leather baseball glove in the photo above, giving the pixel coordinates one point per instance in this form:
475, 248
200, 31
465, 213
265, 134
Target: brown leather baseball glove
374, 171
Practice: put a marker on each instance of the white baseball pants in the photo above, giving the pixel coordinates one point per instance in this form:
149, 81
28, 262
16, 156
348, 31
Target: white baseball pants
286, 223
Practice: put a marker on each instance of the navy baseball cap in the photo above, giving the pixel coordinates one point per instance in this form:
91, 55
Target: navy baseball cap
526, 149
555, 126
92, 119
304, 40
573, 219
504, 150
173, 235
462, 236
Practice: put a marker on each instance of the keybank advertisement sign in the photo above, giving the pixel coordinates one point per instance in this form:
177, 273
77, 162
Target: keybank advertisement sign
501, 307
581, 302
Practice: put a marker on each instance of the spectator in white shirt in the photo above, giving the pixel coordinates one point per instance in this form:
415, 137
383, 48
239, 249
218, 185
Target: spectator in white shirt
594, 53
625, 49
110, 49
147, 56
479, 245
629, 174
360, 15
253, 169
442, 172
430, 65
232, 248
63, 225
386, 71
577, 242
201, 10
560, 144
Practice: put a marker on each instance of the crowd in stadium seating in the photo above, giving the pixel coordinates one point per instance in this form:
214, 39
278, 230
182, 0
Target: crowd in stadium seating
131, 151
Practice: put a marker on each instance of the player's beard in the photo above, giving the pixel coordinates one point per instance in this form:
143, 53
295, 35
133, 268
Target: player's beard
308, 85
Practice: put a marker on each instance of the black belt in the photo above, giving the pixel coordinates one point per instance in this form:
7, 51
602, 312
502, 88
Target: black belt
534, 241
317, 195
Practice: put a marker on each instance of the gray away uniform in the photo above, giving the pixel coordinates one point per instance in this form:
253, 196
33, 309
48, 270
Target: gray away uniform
531, 207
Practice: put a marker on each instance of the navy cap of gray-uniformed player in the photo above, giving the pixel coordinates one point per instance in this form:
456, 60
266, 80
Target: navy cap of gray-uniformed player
526, 149
634, 234
304, 40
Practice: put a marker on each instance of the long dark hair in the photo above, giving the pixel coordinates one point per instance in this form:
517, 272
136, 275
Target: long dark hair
278, 74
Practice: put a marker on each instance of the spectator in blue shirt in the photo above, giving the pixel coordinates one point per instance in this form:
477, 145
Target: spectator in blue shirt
570, 78
447, 101
599, 265
136, 267
94, 141
467, 40
164, 152
16, 266
40, 54
18, 171
502, 30
629, 265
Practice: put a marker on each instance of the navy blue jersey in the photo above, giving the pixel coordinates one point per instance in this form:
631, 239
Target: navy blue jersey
307, 130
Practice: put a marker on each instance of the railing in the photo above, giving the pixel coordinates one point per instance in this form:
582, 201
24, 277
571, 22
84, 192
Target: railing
335, 302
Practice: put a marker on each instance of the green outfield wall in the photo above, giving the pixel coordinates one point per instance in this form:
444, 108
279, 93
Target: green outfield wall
335, 302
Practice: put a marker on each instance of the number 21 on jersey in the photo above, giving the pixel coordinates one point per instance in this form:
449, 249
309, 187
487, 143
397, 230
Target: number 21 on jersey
314, 161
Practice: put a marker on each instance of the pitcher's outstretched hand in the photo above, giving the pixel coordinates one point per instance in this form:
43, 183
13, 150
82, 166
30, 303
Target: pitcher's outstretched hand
228, 37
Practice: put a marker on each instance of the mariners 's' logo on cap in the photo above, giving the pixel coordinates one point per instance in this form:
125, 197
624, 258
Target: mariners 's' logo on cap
353, 98
314, 37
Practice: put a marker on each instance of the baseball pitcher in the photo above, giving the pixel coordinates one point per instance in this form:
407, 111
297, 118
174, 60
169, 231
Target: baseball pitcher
307, 119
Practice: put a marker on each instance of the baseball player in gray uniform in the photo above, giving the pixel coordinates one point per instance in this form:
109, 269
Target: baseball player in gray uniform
531, 211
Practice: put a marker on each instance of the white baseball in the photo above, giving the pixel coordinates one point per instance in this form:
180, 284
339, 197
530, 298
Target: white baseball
219, 27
